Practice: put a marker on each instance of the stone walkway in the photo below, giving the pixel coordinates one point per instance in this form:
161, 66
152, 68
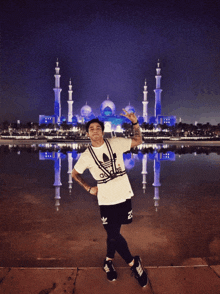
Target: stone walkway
190, 279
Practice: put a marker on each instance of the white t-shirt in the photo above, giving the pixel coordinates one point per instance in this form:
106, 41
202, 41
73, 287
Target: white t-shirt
115, 190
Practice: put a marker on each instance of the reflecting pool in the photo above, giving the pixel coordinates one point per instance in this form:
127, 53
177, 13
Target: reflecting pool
47, 219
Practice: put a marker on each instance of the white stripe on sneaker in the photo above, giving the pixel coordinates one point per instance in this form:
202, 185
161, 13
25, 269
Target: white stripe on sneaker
139, 270
106, 268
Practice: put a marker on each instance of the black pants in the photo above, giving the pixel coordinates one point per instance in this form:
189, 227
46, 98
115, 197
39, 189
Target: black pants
116, 242
113, 216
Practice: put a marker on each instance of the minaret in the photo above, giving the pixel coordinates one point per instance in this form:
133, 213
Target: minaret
145, 102
70, 103
157, 91
70, 168
156, 182
57, 180
57, 92
144, 172
156, 198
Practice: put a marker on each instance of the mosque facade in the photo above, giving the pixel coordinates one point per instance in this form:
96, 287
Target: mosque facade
107, 114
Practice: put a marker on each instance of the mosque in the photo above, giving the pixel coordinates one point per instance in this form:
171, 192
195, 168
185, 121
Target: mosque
107, 114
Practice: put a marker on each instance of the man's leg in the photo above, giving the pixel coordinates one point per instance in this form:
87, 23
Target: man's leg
116, 242
108, 265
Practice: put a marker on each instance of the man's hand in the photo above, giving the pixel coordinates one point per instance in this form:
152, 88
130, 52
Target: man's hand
137, 137
131, 116
94, 191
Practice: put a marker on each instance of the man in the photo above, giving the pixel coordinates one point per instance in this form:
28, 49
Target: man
104, 159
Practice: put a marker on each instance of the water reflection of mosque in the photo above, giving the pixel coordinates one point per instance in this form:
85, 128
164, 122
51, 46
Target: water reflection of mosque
157, 158
57, 157
129, 160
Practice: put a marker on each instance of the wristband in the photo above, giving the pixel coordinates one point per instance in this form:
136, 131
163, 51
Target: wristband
89, 189
133, 124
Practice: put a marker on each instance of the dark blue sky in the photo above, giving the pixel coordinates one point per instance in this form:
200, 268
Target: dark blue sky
109, 48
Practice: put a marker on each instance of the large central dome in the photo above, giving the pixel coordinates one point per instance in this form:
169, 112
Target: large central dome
107, 107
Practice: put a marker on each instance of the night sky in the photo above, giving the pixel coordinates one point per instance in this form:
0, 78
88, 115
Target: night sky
108, 48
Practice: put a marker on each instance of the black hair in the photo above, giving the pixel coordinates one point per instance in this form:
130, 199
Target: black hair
94, 120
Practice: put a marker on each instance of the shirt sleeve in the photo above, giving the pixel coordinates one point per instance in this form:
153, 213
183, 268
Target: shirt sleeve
124, 144
82, 164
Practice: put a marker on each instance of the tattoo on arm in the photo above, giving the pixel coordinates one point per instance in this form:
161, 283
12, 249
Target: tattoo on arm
137, 137
137, 132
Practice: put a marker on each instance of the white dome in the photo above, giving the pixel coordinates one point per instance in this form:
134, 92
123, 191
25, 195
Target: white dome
107, 107
86, 110
130, 109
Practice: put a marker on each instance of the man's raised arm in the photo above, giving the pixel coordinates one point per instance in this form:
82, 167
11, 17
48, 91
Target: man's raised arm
137, 138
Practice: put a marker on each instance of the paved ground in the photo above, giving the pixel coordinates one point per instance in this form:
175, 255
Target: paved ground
45, 250
190, 278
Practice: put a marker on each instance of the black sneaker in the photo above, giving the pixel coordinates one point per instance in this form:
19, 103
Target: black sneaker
110, 270
138, 272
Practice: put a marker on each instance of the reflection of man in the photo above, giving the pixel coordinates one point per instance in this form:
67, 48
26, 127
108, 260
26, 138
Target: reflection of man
104, 159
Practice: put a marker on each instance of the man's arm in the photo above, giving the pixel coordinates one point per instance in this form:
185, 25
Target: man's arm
78, 178
137, 137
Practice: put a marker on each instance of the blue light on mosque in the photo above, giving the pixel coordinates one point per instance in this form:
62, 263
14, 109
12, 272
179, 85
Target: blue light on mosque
169, 155
129, 163
130, 109
126, 155
74, 154
107, 109
56, 108
51, 155
140, 155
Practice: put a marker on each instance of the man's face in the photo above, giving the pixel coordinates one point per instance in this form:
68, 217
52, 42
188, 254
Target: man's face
95, 131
